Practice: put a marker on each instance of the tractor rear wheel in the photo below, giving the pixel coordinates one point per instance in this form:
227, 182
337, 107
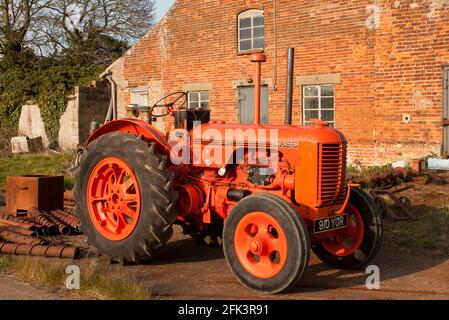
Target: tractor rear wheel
125, 198
266, 244
357, 245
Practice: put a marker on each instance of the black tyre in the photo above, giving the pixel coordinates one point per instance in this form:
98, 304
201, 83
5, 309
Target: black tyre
127, 211
266, 244
357, 252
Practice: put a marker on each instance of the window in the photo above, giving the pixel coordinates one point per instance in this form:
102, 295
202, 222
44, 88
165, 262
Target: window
199, 100
318, 103
140, 97
251, 30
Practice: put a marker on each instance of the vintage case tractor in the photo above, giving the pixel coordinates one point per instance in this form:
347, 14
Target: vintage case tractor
268, 214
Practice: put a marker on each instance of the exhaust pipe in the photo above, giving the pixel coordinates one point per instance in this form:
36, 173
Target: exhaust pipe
258, 58
290, 79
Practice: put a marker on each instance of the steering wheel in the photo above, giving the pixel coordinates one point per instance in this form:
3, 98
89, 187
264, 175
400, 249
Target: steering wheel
174, 104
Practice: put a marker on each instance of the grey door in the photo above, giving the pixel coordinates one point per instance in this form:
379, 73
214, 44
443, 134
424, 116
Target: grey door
446, 113
246, 105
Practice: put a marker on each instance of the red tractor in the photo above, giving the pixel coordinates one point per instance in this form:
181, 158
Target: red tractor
269, 196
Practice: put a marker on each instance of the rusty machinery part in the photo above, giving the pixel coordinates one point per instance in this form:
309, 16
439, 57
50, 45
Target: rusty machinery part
61, 227
20, 220
13, 237
18, 230
27, 192
355, 246
27, 226
171, 106
40, 250
128, 210
380, 203
69, 196
68, 219
266, 243
400, 203
40, 218
406, 202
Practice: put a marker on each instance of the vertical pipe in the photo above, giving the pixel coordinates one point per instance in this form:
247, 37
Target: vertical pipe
257, 94
289, 93
275, 36
258, 58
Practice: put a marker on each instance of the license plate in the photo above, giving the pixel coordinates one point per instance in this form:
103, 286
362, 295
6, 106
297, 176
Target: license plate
331, 224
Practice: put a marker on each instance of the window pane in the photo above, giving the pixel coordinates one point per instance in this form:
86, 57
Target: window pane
311, 91
259, 43
309, 115
245, 34
311, 103
245, 45
259, 32
258, 21
194, 96
327, 91
194, 105
204, 95
245, 23
205, 105
327, 103
327, 115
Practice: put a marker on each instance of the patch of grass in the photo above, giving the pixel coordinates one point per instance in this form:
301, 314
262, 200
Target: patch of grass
430, 232
5, 262
36, 164
97, 280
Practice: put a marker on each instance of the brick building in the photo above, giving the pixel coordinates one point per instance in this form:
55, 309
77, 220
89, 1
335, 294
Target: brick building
375, 70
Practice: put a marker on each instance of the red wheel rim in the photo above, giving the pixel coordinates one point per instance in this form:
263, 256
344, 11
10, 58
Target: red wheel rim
261, 245
349, 240
113, 199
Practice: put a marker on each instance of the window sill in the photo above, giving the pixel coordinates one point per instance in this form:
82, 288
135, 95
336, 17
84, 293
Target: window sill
246, 53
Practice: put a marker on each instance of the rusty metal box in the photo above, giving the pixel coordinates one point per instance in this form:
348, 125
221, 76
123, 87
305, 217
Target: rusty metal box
34, 192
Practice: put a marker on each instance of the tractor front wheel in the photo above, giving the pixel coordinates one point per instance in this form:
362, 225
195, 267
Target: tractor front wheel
125, 198
266, 244
355, 246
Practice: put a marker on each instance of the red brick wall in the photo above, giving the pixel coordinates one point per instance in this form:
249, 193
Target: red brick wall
385, 72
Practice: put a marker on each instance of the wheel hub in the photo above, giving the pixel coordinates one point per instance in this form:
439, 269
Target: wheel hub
114, 199
256, 246
261, 245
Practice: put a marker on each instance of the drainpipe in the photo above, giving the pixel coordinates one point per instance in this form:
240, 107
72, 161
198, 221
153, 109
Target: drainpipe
275, 71
112, 111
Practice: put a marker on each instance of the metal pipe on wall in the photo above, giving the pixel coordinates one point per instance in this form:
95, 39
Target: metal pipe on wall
112, 111
275, 67
289, 91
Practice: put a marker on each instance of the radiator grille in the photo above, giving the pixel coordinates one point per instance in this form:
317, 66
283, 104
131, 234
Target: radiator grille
332, 172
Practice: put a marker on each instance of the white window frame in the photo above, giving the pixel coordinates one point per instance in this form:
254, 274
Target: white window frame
320, 108
251, 14
140, 93
200, 100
